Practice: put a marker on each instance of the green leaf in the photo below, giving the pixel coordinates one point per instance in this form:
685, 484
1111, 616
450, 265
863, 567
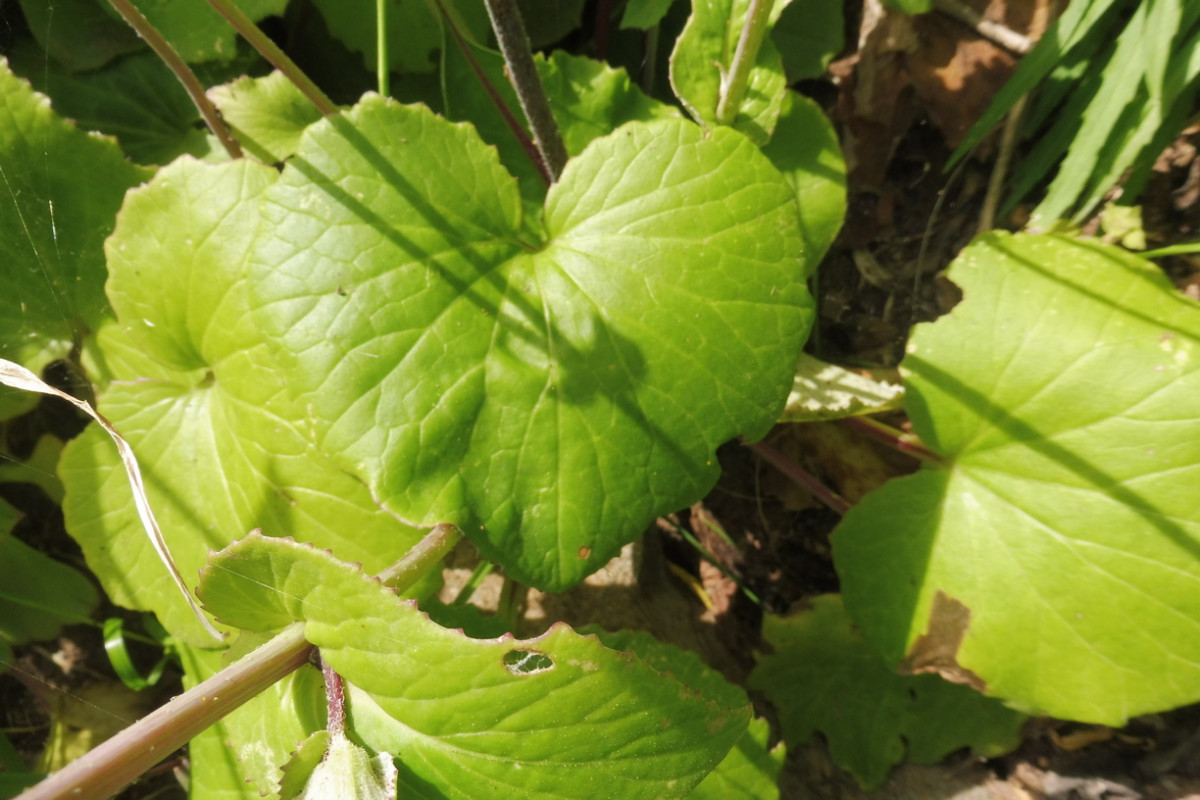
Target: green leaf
750, 771
135, 98
546, 23
805, 149
222, 446
51, 260
38, 595
826, 391
823, 675
547, 397
39, 469
703, 55
414, 32
910, 6
267, 115
466, 717
1055, 559
78, 34
808, 35
644, 14
199, 33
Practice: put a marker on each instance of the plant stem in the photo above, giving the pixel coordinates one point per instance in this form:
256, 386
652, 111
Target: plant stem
436, 545
382, 67
116, 763
897, 440
514, 45
509, 118
105, 770
271, 52
801, 477
733, 86
335, 700
184, 73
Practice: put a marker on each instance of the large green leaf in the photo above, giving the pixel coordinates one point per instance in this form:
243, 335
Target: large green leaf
267, 115
550, 397
703, 56
822, 675
196, 394
1055, 559
78, 34
553, 717
60, 189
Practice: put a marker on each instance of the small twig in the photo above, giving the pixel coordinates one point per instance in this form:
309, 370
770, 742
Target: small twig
271, 52
733, 85
801, 477
514, 45
1008, 146
184, 73
435, 546
897, 440
999, 33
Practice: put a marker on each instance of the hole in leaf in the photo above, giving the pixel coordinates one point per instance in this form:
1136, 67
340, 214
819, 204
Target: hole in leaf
527, 662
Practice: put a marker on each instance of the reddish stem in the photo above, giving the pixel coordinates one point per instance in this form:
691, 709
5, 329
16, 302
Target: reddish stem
801, 477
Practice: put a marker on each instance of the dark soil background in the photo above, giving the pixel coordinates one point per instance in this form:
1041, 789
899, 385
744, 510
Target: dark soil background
902, 95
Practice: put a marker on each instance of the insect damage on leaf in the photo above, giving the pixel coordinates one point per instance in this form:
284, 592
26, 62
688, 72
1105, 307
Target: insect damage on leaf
936, 650
527, 662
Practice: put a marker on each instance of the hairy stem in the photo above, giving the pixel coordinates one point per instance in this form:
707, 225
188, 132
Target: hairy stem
510, 119
116, 763
184, 73
514, 45
733, 85
801, 477
105, 770
271, 52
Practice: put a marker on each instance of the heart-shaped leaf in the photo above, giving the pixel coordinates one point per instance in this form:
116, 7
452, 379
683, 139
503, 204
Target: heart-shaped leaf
550, 397
551, 717
1055, 559
192, 388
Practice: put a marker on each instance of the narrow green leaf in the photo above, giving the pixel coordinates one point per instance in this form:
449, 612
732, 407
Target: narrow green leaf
466, 717
822, 675
549, 398
1056, 560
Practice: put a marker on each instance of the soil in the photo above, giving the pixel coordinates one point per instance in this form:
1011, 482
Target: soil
900, 109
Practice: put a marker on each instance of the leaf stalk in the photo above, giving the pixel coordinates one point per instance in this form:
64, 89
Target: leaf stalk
182, 71
271, 52
514, 45
733, 83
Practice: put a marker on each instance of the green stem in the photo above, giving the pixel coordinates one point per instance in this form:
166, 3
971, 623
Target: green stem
733, 84
116, 763
106, 769
382, 68
271, 52
184, 73
514, 45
